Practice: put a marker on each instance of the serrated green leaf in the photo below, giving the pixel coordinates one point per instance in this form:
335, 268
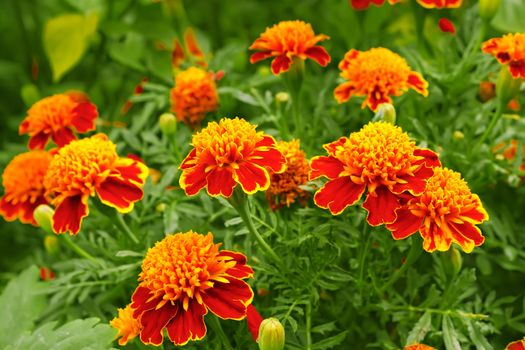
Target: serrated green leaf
330, 342
420, 330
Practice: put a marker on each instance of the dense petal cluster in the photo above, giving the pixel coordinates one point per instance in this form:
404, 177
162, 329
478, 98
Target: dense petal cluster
440, 4
447, 212
183, 277
23, 181
285, 187
55, 117
228, 153
509, 49
128, 326
194, 95
418, 347
516, 345
363, 4
377, 74
87, 167
380, 158
289, 40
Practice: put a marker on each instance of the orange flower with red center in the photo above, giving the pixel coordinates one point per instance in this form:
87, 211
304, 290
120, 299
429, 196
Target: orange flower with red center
418, 347
285, 187
289, 40
363, 4
183, 277
509, 49
228, 153
446, 212
516, 345
128, 327
377, 74
440, 4
23, 181
194, 95
380, 158
55, 117
87, 167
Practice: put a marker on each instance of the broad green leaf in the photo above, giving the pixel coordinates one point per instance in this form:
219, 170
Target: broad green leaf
509, 17
420, 330
66, 38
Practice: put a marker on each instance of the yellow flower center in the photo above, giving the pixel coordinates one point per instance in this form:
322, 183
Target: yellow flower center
53, 111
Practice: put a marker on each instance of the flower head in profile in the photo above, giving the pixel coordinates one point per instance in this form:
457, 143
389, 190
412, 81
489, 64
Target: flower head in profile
87, 167
445, 213
440, 4
128, 326
287, 41
509, 49
23, 181
194, 95
285, 187
228, 153
377, 74
56, 117
418, 347
183, 277
381, 159
516, 345
363, 4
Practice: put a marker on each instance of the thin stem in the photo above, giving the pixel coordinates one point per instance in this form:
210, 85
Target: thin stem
413, 255
216, 325
495, 117
366, 237
309, 326
74, 247
452, 313
125, 228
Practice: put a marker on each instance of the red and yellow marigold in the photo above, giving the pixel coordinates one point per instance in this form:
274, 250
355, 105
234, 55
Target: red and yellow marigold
445, 213
183, 277
381, 159
363, 4
87, 167
128, 326
509, 49
287, 41
516, 345
377, 74
418, 347
56, 117
285, 187
194, 95
440, 4
228, 153
23, 181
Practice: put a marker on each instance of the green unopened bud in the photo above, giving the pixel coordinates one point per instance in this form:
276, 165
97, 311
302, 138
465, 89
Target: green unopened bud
488, 8
271, 335
452, 261
168, 123
507, 86
282, 97
43, 215
51, 244
514, 180
160, 208
386, 112
458, 135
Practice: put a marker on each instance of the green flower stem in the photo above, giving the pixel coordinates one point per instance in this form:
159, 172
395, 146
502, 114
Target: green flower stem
413, 255
294, 82
74, 247
495, 117
175, 148
366, 237
308, 316
217, 328
125, 228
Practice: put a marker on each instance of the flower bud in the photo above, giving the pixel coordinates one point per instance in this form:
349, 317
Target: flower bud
507, 86
271, 335
386, 112
282, 97
168, 123
160, 208
488, 8
43, 215
51, 244
452, 261
458, 135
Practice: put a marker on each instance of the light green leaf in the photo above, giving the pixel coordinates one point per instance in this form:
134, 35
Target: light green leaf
449, 334
509, 17
66, 38
420, 330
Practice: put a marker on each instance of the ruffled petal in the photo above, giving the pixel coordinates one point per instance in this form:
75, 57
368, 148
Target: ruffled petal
228, 300
69, 214
405, 224
155, 320
416, 82
280, 64
434, 238
84, 117
266, 155
38, 140
344, 91
319, 55
381, 207
338, 194
220, 182
252, 178
240, 270
119, 193
193, 180
466, 235
63, 136
329, 167
188, 325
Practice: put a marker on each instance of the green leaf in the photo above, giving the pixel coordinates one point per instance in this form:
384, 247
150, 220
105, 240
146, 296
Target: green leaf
509, 17
330, 342
66, 38
21, 305
449, 334
477, 337
420, 330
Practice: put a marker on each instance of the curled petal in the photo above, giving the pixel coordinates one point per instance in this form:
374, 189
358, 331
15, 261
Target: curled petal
240, 270
228, 300
38, 140
259, 56
405, 224
467, 236
251, 177
319, 55
343, 92
193, 180
69, 214
119, 193
325, 166
416, 82
338, 194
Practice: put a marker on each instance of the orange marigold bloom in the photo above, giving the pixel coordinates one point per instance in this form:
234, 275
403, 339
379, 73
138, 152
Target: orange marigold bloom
446, 212
128, 326
284, 187
509, 151
509, 49
183, 276
380, 158
418, 347
87, 167
286, 41
440, 4
516, 345
194, 95
228, 153
363, 4
23, 181
56, 116
377, 74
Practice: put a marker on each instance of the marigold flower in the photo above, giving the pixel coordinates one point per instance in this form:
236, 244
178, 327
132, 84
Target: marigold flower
289, 40
440, 4
87, 167
380, 158
508, 151
377, 74
446, 26
23, 181
128, 326
228, 153
516, 345
284, 187
446, 212
56, 116
194, 95
509, 49
363, 4
418, 347
183, 277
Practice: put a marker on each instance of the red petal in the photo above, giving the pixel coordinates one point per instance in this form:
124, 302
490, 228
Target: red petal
63, 136
375, 98
266, 155
132, 170
254, 320
190, 160
381, 207
140, 301
84, 117
431, 157
193, 180
259, 56
344, 91
319, 55
228, 300
360, 4
38, 141
251, 177
434, 238
406, 224
338, 194
153, 322
325, 166
517, 345
416, 82
188, 325
119, 193
241, 270
220, 182
69, 214
280, 64
446, 26
8, 210
332, 147
466, 235
477, 214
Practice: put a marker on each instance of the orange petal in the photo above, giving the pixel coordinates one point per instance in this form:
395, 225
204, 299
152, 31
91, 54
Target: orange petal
329, 167
344, 91
228, 300
69, 214
381, 207
188, 325
338, 194
466, 235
